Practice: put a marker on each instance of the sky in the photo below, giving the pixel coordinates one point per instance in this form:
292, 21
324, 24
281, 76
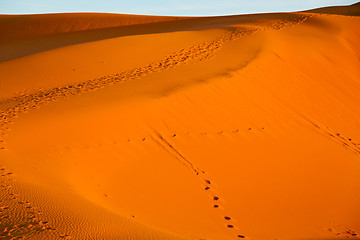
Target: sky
164, 7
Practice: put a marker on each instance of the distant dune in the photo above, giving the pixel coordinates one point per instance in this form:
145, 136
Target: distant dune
352, 10
146, 127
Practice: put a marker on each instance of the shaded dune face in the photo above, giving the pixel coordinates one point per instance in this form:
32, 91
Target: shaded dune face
25, 35
14, 27
140, 127
28, 34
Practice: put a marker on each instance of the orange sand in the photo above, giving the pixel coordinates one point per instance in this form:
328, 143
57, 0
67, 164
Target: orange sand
217, 128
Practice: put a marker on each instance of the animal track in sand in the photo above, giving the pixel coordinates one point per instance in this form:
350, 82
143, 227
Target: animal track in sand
346, 142
216, 201
207, 183
180, 135
347, 233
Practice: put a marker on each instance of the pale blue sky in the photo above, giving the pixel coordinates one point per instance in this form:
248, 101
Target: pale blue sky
164, 7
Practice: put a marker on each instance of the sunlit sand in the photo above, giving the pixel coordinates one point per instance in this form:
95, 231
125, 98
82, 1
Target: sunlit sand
141, 127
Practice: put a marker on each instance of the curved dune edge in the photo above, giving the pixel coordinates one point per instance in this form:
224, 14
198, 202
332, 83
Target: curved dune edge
165, 141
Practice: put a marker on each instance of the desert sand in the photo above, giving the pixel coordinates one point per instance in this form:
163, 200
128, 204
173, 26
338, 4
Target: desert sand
214, 128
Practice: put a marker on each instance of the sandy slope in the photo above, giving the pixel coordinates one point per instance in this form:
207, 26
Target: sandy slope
220, 128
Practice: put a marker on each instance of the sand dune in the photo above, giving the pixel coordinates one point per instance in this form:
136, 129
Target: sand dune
352, 10
140, 127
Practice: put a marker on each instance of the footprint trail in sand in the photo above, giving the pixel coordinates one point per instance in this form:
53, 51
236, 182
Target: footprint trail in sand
206, 181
